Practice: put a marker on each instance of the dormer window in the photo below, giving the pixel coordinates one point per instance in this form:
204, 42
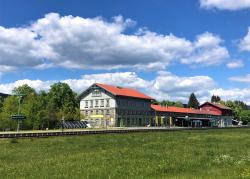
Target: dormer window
96, 93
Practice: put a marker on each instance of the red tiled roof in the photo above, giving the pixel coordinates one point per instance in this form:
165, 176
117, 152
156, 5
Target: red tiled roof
181, 110
218, 105
120, 91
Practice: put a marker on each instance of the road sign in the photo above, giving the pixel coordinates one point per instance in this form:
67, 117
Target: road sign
18, 117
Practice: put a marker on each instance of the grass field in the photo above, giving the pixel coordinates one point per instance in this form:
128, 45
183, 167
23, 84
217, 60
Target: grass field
184, 154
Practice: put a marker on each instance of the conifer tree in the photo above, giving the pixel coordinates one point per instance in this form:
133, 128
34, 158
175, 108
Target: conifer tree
193, 102
215, 99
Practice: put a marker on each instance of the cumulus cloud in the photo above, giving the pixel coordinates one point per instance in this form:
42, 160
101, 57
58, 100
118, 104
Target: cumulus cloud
233, 94
244, 44
244, 79
225, 4
95, 43
164, 86
19, 48
207, 51
235, 64
170, 86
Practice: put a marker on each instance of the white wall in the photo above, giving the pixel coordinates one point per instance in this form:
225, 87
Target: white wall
112, 102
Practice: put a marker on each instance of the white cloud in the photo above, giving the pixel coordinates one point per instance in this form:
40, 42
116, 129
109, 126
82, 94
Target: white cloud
235, 64
233, 94
244, 44
225, 4
95, 43
18, 48
207, 40
36, 84
165, 86
207, 51
244, 79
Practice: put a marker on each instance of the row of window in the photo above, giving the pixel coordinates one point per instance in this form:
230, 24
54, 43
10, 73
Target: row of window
98, 103
133, 112
97, 111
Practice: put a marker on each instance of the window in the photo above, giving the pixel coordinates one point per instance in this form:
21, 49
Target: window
86, 104
96, 93
102, 102
96, 103
91, 103
96, 111
107, 112
107, 103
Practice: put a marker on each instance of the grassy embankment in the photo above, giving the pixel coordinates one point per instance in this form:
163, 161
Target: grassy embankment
183, 154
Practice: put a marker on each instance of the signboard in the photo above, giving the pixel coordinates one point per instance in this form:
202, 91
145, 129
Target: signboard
18, 117
97, 116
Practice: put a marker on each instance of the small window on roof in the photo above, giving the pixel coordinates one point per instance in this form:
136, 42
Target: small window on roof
96, 93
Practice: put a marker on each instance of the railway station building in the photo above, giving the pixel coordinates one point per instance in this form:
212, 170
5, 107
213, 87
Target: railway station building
114, 106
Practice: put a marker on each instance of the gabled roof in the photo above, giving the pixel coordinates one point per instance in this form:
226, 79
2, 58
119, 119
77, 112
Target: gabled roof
182, 110
121, 91
218, 105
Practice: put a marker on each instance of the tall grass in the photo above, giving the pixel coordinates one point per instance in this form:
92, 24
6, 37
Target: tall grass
183, 154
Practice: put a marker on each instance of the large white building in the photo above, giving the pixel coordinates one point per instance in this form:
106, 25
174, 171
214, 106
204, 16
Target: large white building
103, 105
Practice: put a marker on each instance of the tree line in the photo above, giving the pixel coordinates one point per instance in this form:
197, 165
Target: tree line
42, 110
47, 109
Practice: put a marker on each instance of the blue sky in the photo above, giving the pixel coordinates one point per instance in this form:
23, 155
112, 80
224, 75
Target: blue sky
167, 49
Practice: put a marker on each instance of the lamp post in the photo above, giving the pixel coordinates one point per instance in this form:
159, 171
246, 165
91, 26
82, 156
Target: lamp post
187, 119
19, 110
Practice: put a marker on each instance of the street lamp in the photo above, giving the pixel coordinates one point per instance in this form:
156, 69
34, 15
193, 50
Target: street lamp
187, 119
19, 109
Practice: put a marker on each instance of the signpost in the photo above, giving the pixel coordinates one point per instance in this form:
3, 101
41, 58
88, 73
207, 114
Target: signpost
18, 116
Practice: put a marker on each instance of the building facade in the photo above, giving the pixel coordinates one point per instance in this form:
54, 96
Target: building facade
185, 117
224, 112
105, 105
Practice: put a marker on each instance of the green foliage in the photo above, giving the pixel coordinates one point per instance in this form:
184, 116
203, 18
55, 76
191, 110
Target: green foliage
1, 103
193, 102
239, 109
24, 90
10, 106
62, 100
171, 103
215, 99
205, 154
155, 102
42, 110
245, 116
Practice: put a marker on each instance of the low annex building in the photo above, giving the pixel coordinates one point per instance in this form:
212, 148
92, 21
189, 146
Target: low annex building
105, 105
224, 112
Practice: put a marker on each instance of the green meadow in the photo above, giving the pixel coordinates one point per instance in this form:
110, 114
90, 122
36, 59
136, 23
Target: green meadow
181, 154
